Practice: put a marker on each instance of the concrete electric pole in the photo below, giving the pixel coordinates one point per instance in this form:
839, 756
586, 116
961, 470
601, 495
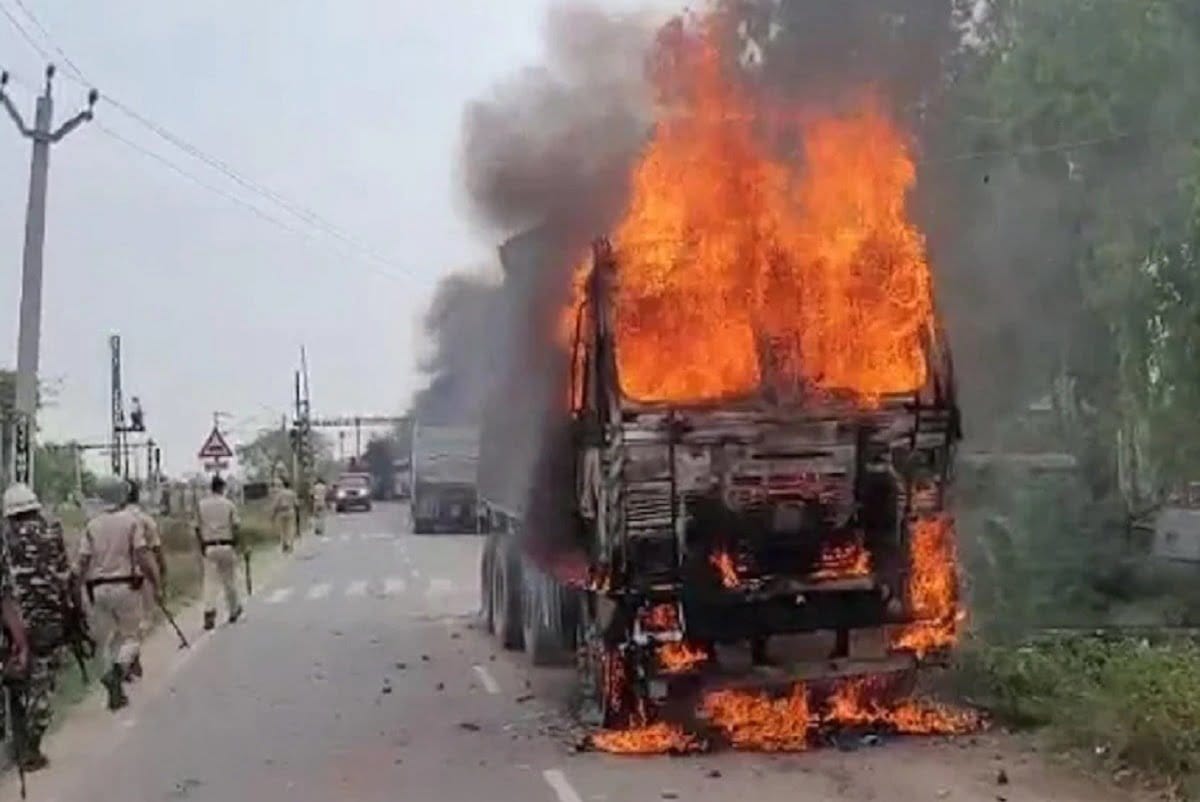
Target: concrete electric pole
28, 339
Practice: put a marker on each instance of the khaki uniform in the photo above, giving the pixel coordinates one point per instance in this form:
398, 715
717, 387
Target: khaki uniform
318, 508
110, 541
218, 518
283, 513
154, 543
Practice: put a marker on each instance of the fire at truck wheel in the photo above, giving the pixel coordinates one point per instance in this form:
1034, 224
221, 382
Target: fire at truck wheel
506, 597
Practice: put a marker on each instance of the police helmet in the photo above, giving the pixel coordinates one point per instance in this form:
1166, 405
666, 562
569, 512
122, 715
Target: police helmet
20, 498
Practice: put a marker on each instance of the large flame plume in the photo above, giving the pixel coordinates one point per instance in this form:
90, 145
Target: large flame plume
739, 269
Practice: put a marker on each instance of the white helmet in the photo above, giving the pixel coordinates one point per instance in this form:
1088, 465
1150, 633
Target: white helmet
20, 498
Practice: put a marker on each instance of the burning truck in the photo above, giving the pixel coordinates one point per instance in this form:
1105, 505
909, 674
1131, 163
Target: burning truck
755, 445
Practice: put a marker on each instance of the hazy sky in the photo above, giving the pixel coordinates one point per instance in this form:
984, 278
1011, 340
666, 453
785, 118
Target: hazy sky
349, 108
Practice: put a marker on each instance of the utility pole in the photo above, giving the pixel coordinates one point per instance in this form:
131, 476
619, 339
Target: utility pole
28, 338
118, 404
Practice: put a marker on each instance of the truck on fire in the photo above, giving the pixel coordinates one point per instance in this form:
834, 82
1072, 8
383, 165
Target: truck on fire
671, 546
442, 481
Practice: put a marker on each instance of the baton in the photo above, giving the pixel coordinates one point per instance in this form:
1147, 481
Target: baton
183, 641
249, 580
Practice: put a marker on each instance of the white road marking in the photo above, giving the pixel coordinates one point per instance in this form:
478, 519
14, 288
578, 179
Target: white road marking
562, 787
416, 574
393, 585
279, 595
357, 588
440, 587
318, 591
489, 682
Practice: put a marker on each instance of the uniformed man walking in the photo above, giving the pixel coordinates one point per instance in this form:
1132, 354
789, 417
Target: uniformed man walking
217, 529
114, 561
284, 514
318, 507
14, 648
36, 560
153, 539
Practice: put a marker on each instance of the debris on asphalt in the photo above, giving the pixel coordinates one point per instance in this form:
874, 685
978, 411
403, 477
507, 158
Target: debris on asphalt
871, 739
491, 658
942, 794
454, 636
401, 666
424, 658
523, 698
469, 726
714, 774
387, 688
441, 686
1002, 777
669, 794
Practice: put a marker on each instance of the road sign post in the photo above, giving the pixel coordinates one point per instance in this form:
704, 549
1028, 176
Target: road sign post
215, 453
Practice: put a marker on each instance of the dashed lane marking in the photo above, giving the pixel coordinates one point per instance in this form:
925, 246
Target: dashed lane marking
393, 585
561, 786
279, 595
318, 591
357, 588
489, 682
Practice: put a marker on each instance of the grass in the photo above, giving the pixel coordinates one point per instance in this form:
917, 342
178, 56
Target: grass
1132, 702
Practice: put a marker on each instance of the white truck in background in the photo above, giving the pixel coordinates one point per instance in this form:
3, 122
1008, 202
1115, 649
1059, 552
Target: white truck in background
444, 465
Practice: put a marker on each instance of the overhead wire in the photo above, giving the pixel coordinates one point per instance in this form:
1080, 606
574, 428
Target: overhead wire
292, 208
41, 51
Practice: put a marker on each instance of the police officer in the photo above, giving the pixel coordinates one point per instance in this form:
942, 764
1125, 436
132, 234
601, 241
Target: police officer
154, 543
217, 530
284, 513
36, 559
318, 507
114, 561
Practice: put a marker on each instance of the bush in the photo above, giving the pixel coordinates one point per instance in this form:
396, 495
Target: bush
1137, 702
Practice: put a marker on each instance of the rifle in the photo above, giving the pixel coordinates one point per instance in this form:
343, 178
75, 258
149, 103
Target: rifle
14, 686
20, 736
249, 580
76, 634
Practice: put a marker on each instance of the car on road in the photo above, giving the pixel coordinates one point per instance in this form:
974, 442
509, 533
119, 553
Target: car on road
352, 491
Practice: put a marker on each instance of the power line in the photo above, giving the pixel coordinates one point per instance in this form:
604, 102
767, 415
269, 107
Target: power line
303, 213
178, 170
50, 39
24, 33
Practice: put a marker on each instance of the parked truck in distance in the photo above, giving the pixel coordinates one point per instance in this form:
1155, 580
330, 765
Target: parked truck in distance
443, 478
694, 537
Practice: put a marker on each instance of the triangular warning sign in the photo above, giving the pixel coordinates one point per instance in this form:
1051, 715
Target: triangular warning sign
215, 446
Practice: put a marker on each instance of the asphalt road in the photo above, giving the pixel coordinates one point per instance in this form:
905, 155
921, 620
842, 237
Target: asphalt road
359, 674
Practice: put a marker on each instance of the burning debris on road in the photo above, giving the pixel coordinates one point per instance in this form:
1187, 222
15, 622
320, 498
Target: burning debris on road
794, 721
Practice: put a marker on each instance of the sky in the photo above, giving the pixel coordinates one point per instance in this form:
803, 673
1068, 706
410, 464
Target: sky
349, 109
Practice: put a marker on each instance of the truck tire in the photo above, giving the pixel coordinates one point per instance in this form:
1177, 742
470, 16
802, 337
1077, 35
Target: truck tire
485, 584
506, 596
542, 619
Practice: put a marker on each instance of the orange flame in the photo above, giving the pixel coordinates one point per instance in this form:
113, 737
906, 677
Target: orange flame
737, 267
857, 702
646, 739
660, 618
753, 720
726, 570
932, 592
844, 560
676, 658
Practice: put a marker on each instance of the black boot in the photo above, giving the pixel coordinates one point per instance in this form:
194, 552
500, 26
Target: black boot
210, 619
31, 757
235, 614
135, 668
116, 693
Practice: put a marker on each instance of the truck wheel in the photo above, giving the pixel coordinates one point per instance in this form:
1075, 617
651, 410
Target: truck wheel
506, 597
485, 584
541, 618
